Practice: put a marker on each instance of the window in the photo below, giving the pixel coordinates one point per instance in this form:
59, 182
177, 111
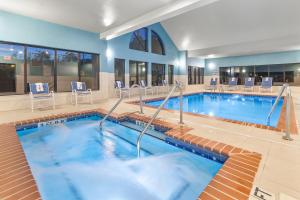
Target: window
23, 64
67, 69
171, 74
158, 74
157, 44
195, 75
89, 70
137, 72
138, 40
40, 66
11, 69
279, 72
120, 70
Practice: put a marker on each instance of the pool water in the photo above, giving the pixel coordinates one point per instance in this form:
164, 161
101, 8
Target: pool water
76, 161
252, 109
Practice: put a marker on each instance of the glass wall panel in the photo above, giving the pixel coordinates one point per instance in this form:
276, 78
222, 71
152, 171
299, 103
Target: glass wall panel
11, 69
260, 72
40, 66
158, 74
195, 75
89, 70
157, 44
171, 74
138, 40
67, 70
120, 70
137, 71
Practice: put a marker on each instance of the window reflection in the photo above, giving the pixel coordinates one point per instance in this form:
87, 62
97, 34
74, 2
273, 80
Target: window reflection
89, 70
138, 40
120, 70
137, 72
171, 74
40, 66
280, 73
158, 74
157, 44
195, 75
11, 69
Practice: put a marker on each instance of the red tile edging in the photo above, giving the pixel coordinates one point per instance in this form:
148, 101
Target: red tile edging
233, 181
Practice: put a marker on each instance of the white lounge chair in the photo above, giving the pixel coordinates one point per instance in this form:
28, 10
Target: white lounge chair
266, 84
146, 88
213, 84
79, 89
122, 89
39, 92
232, 83
166, 86
249, 84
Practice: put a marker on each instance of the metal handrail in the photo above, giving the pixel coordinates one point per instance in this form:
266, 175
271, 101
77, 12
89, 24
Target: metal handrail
280, 93
118, 103
157, 112
286, 88
110, 111
287, 135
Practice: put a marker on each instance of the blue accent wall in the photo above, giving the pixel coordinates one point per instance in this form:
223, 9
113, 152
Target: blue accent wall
27, 30
21, 29
259, 59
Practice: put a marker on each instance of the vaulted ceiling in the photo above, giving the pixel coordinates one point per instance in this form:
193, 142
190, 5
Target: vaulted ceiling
205, 28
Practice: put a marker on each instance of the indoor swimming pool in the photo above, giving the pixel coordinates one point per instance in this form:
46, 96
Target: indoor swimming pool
244, 108
75, 160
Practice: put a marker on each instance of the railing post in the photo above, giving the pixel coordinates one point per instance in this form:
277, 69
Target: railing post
181, 105
141, 100
287, 135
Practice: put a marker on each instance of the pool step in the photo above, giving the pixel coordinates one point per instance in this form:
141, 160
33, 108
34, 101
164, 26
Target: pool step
152, 133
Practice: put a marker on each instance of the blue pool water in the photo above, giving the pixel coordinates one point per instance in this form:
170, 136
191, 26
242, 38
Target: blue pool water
74, 161
252, 109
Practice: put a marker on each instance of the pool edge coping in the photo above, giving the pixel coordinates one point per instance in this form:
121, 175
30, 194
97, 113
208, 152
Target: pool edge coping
236, 181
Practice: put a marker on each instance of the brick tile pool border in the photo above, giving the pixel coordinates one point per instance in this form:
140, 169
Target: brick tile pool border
233, 181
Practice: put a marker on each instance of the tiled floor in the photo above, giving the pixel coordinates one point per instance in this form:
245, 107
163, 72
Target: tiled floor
278, 170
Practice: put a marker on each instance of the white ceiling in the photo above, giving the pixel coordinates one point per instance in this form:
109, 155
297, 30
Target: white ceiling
203, 27
91, 15
237, 27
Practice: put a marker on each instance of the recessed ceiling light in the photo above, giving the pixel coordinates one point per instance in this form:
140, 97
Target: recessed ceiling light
11, 49
185, 43
211, 56
107, 21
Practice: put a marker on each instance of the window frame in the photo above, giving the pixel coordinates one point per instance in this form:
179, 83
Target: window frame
134, 34
163, 76
162, 46
25, 54
123, 66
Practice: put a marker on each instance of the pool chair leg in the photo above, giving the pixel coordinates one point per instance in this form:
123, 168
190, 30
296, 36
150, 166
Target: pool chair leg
76, 100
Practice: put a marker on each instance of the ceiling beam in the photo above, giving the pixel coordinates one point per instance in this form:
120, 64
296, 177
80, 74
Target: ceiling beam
158, 15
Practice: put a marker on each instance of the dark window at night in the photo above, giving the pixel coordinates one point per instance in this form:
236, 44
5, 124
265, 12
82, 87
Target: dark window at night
24, 64
138, 40
120, 70
157, 44
171, 74
280, 73
195, 75
137, 72
158, 74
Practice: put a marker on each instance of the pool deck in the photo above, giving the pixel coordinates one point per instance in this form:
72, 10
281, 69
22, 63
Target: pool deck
278, 171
